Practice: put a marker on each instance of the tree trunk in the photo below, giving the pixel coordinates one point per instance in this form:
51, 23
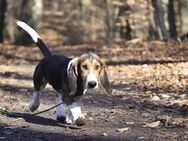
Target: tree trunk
109, 19
172, 20
159, 19
29, 11
183, 7
2, 18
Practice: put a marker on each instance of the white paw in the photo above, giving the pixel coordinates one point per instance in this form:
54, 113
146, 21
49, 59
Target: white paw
69, 120
79, 121
74, 111
33, 105
35, 102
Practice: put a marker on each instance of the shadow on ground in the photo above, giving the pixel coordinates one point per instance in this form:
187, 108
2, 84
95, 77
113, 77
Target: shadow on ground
31, 135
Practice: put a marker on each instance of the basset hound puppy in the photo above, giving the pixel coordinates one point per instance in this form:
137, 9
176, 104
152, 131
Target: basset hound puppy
71, 78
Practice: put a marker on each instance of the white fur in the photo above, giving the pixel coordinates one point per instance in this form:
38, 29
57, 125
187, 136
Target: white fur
35, 102
29, 30
59, 109
91, 77
75, 111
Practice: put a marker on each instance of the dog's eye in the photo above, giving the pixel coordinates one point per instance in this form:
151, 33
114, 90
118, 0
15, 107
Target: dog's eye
97, 67
84, 67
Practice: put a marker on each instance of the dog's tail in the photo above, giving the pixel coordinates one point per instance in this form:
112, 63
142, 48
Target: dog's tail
36, 38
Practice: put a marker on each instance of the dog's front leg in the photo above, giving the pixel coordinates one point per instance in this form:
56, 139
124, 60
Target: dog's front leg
75, 114
60, 111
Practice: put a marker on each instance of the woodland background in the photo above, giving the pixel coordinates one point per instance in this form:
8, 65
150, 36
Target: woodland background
87, 21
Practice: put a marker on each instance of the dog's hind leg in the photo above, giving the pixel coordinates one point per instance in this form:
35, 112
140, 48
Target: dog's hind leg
39, 84
35, 102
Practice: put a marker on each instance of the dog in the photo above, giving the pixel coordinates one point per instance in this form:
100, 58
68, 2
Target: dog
71, 78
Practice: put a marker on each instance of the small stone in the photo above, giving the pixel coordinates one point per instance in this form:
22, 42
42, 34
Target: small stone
80, 121
146, 115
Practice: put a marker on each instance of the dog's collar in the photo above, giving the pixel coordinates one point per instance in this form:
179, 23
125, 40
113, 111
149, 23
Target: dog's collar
69, 65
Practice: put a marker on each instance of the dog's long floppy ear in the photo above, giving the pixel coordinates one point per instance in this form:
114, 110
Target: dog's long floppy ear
73, 76
103, 78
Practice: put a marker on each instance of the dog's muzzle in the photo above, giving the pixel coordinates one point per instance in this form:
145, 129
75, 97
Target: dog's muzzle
92, 82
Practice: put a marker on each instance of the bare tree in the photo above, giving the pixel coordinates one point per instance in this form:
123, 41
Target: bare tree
29, 11
109, 19
2, 18
183, 8
159, 19
172, 20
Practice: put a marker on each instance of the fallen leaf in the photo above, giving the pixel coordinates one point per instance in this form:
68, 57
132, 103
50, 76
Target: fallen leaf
183, 96
90, 118
121, 130
183, 102
129, 123
165, 96
103, 134
172, 122
152, 124
155, 98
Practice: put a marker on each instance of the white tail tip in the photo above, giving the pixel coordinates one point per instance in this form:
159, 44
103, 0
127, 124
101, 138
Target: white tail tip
29, 30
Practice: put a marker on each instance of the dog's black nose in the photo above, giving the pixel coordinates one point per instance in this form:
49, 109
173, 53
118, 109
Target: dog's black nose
92, 84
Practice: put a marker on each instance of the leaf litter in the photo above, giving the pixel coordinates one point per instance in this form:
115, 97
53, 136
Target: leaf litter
149, 89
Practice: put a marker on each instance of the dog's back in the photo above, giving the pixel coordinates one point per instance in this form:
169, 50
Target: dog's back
54, 70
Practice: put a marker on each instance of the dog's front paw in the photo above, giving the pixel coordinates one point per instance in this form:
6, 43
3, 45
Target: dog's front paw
61, 119
80, 121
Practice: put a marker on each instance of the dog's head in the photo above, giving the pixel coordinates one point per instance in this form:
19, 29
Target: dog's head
88, 72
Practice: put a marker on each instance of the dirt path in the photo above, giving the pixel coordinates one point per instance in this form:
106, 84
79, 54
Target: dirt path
149, 99
142, 94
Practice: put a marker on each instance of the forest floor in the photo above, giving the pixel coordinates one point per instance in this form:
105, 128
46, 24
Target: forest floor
149, 93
